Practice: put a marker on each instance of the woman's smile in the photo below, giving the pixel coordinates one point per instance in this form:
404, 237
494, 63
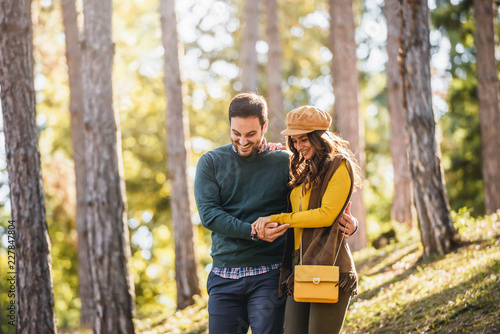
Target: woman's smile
303, 145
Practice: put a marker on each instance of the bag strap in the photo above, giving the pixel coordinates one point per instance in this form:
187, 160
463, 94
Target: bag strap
338, 251
300, 251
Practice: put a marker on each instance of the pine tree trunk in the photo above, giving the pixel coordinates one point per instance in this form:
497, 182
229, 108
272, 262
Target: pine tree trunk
433, 211
401, 210
27, 6
74, 61
108, 237
35, 302
488, 103
178, 145
274, 93
248, 54
345, 87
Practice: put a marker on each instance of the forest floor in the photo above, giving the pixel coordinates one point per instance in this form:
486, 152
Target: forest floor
399, 292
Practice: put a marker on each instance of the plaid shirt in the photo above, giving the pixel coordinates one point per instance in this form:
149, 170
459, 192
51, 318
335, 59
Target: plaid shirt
237, 273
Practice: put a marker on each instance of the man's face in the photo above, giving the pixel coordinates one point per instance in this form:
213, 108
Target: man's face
247, 134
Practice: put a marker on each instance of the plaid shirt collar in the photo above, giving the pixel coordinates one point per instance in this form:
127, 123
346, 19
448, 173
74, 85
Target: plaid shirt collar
261, 149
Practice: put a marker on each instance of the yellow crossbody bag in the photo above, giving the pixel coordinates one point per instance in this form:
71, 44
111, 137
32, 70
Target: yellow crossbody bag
316, 283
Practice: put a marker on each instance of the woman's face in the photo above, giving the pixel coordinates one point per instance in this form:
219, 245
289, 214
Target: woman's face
303, 145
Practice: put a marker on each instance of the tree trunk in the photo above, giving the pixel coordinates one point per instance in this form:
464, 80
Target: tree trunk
33, 277
178, 145
402, 201
74, 61
488, 103
248, 55
345, 86
433, 211
27, 6
108, 237
274, 92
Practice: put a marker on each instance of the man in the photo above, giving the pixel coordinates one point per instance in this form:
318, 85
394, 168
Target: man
235, 185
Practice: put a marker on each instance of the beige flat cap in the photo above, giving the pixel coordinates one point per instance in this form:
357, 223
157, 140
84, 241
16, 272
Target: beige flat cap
306, 119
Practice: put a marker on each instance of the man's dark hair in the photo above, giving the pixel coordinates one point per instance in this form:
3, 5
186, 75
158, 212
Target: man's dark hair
248, 105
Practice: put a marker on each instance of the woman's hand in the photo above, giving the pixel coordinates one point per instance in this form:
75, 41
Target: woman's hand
347, 223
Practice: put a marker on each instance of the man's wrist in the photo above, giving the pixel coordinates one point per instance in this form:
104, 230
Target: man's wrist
254, 236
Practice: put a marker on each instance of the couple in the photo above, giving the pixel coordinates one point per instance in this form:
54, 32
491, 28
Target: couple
242, 192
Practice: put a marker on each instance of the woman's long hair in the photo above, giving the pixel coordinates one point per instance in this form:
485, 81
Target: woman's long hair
327, 146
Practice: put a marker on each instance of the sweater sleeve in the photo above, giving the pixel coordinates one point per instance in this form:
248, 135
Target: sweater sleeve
332, 202
207, 194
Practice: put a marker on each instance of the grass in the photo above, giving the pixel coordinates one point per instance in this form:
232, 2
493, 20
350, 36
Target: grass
401, 293
192, 320
455, 293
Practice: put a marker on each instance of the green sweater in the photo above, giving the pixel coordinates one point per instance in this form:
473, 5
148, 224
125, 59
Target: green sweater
231, 193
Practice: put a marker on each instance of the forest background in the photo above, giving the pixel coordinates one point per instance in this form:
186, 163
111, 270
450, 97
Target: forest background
211, 34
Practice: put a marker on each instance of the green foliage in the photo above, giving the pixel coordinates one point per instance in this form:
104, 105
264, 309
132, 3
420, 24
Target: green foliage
461, 139
378, 186
306, 75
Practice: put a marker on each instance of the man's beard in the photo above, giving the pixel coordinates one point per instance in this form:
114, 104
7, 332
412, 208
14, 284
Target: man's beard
247, 150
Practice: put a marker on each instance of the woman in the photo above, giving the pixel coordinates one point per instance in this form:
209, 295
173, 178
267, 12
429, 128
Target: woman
324, 173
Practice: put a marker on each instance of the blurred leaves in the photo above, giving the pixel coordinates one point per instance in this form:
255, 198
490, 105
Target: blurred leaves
460, 128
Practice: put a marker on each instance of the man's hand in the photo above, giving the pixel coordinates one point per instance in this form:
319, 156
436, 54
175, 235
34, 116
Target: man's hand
347, 223
274, 146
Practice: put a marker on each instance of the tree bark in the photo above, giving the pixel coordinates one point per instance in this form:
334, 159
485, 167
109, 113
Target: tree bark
108, 237
35, 302
74, 62
345, 86
401, 210
178, 145
433, 211
274, 92
488, 103
248, 55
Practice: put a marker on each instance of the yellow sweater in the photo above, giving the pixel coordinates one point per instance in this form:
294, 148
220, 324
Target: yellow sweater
334, 198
